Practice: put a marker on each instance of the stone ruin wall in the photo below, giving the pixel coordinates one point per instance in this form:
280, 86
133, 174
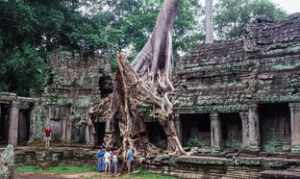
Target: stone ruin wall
251, 78
77, 83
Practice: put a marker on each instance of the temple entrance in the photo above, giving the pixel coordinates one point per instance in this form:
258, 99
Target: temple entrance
195, 130
24, 127
78, 134
231, 130
156, 134
100, 133
4, 123
275, 126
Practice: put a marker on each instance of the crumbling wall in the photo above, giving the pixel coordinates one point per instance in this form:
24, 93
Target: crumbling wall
76, 83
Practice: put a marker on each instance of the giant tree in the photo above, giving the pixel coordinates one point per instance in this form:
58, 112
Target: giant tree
146, 80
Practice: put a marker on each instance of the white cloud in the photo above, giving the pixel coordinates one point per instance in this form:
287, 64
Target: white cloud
291, 6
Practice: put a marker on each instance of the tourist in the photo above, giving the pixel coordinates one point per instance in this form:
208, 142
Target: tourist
47, 136
100, 158
107, 161
129, 159
115, 162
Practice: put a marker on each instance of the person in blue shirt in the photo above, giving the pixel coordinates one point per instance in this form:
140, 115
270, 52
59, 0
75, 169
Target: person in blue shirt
100, 160
129, 159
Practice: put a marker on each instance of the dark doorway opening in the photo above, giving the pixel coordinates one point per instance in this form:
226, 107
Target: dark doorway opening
275, 126
24, 127
78, 134
100, 133
156, 134
195, 130
4, 124
231, 130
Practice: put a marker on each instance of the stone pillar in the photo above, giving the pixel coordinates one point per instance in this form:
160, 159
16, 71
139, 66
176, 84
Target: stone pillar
295, 127
245, 129
32, 129
215, 131
13, 123
178, 126
64, 130
254, 132
92, 135
68, 131
87, 135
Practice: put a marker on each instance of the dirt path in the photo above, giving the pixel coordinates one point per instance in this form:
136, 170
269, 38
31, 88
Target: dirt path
64, 176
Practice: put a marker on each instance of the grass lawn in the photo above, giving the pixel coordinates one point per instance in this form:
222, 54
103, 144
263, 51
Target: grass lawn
60, 169
69, 169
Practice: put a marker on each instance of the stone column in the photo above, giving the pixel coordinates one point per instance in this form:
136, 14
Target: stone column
92, 135
13, 123
245, 129
64, 130
215, 131
254, 132
178, 126
295, 127
32, 129
68, 131
87, 134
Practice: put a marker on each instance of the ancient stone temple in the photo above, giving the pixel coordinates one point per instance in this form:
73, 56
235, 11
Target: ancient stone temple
76, 83
243, 93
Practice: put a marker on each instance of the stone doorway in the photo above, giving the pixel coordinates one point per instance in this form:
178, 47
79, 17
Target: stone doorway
100, 133
78, 134
195, 130
156, 134
4, 124
24, 127
231, 126
275, 126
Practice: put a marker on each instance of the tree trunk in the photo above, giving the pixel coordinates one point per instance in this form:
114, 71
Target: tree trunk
209, 21
145, 81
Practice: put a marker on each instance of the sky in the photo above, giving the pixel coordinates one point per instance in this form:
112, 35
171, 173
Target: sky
291, 6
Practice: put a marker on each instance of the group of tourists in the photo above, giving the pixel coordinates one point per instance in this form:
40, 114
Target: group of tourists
108, 160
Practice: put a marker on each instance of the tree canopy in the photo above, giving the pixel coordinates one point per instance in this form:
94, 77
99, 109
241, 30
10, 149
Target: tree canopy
232, 16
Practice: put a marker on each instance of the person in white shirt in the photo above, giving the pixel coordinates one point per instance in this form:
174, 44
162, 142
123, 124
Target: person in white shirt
107, 159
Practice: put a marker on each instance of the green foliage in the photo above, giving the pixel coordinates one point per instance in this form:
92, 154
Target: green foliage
71, 169
29, 31
232, 16
22, 69
133, 21
60, 169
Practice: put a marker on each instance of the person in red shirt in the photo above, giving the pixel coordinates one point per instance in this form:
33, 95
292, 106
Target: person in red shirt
47, 136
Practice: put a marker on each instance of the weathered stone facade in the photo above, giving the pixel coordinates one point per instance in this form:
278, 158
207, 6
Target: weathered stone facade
76, 84
252, 84
16, 114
